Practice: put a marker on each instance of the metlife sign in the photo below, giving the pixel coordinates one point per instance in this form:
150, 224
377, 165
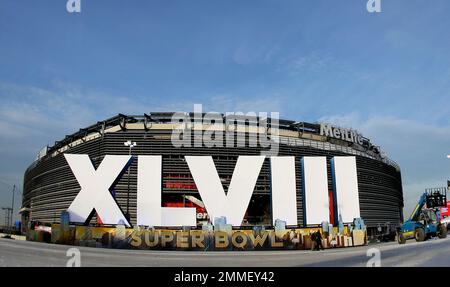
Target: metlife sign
97, 183
341, 133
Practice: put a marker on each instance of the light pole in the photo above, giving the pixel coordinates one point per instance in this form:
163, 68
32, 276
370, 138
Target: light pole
131, 145
448, 181
12, 207
8, 214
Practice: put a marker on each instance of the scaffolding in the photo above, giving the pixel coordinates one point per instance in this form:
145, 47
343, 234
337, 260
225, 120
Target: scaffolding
8, 218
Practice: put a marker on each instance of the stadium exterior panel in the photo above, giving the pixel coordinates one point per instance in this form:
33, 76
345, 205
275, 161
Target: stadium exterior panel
50, 185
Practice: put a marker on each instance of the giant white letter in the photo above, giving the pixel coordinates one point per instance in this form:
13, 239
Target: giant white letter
315, 188
149, 210
283, 189
95, 186
346, 187
234, 204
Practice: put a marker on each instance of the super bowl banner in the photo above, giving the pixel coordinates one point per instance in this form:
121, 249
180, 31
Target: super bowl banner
221, 238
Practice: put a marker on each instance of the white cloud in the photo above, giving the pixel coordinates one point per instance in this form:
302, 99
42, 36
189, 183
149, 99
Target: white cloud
232, 103
297, 64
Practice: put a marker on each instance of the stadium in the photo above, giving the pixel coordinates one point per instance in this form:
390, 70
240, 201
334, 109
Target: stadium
50, 186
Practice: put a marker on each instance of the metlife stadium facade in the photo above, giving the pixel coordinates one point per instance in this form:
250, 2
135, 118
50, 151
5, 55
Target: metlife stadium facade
50, 185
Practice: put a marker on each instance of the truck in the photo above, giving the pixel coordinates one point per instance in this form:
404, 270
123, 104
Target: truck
425, 220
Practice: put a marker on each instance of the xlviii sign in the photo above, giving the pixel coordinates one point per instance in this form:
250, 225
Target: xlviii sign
96, 185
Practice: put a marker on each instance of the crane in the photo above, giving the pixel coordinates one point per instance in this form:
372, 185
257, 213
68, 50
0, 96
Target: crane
425, 220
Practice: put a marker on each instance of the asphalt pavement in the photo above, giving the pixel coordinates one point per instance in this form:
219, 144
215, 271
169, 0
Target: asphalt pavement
434, 252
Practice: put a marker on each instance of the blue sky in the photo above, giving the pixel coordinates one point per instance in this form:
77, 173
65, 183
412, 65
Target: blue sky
386, 74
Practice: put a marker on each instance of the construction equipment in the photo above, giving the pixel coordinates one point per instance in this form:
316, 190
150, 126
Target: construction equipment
425, 220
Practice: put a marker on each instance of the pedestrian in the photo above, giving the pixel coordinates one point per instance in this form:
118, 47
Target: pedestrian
318, 238
313, 240
380, 234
